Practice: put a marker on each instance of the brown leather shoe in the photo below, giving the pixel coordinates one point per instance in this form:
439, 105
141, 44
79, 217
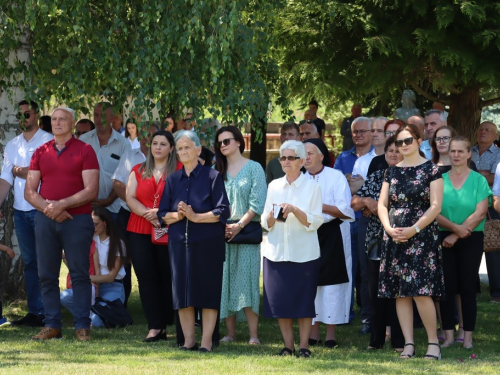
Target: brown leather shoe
83, 334
48, 333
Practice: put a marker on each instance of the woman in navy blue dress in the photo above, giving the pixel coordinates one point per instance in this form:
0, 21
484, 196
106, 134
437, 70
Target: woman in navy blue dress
195, 206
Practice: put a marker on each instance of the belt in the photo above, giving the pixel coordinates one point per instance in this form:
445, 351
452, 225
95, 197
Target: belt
118, 281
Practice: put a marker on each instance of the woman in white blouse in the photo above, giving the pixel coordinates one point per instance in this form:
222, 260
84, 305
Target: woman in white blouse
111, 255
292, 215
131, 133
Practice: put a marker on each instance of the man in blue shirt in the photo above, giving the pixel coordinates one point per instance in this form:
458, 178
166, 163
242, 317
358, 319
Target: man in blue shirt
361, 135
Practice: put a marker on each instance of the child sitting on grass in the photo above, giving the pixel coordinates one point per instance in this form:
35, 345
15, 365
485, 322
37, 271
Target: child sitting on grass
11, 254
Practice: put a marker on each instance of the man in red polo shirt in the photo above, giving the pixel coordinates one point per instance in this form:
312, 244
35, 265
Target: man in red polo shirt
67, 172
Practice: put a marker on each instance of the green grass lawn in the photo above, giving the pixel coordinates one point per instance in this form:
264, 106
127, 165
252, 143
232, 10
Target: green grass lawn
121, 351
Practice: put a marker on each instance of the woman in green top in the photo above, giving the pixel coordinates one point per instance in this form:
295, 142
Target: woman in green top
466, 197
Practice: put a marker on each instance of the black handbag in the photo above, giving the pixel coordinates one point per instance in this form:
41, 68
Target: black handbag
374, 248
251, 234
112, 313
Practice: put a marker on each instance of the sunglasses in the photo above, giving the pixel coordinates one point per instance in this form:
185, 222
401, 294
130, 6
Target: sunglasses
389, 134
407, 141
25, 115
289, 158
224, 142
78, 133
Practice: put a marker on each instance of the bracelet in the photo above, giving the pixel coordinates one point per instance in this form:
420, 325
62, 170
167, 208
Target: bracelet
240, 224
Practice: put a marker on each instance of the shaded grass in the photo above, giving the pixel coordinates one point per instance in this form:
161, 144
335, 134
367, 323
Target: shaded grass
121, 351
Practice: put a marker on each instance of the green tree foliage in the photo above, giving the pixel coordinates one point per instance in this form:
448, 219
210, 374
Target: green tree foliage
206, 54
360, 49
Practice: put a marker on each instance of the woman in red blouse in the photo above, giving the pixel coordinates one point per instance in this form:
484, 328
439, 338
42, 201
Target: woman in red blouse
150, 261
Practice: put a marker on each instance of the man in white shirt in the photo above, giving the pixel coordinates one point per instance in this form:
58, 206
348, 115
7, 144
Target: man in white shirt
109, 146
17, 156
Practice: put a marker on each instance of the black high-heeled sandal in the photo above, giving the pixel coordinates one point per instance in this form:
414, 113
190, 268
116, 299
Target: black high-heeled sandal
408, 356
434, 357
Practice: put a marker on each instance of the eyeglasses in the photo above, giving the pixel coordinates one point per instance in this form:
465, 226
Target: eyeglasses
289, 158
407, 141
97, 224
389, 134
224, 142
442, 139
25, 115
377, 130
361, 132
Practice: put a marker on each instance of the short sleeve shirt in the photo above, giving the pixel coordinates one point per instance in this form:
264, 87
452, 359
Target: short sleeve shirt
61, 171
458, 205
488, 161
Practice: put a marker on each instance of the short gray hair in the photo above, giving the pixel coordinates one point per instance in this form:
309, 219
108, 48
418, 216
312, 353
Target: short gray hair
191, 135
67, 109
362, 119
315, 128
441, 114
296, 146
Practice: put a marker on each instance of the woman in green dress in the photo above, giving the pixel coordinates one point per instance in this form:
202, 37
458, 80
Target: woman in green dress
246, 189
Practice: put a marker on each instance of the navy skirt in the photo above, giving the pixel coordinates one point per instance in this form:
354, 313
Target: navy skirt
290, 289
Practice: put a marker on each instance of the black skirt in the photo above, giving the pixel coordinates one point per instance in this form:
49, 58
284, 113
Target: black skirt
290, 289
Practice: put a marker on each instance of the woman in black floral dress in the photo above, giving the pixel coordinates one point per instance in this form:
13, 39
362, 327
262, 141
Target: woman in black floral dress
410, 266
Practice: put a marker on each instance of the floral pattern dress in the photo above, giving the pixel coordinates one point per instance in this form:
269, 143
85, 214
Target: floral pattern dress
412, 268
241, 277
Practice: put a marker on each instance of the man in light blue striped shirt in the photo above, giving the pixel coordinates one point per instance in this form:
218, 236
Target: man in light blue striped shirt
109, 146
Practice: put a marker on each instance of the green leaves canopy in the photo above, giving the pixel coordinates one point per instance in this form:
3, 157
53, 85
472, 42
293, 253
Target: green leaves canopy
206, 54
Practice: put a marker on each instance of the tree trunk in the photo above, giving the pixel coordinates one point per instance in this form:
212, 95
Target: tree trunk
12, 271
465, 113
258, 142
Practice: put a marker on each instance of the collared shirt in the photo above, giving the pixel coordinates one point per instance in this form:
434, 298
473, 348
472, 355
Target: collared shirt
128, 160
488, 161
134, 143
61, 171
345, 161
361, 165
496, 184
274, 170
290, 241
18, 153
426, 148
109, 157
103, 250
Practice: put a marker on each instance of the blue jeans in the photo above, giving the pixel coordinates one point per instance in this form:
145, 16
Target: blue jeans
24, 223
111, 292
75, 237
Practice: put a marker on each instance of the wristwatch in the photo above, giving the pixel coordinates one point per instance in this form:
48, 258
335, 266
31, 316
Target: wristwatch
417, 229
240, 224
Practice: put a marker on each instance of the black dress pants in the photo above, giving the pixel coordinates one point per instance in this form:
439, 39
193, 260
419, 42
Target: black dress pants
460, 267
121, 222
383, 312
152, 267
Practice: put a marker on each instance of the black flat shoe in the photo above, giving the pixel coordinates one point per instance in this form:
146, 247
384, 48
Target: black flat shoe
162, 335
313, 342
331, 344
205, 350
194, 348
285, 352
304, 353
25, 320
408, 356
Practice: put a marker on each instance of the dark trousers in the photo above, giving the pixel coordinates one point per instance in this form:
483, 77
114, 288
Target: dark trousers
493, 264
180, 335
74, 237
354, 263
460, 267
152, 267
121, 222
363, 288
383, 312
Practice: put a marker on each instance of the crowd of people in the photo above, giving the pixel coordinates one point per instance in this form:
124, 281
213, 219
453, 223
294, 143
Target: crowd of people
398, 216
